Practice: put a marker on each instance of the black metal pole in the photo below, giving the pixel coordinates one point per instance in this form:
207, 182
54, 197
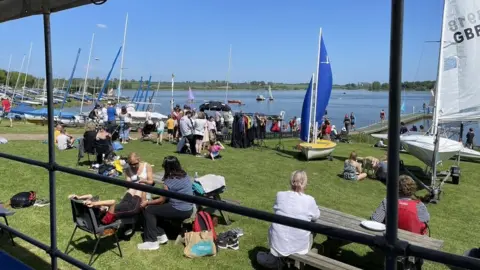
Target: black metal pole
394, 98
460, 137
51, 142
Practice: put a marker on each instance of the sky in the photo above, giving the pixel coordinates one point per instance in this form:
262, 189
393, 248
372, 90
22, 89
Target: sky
272, 40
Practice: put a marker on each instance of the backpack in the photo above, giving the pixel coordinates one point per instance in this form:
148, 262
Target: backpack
23, 199
203, 222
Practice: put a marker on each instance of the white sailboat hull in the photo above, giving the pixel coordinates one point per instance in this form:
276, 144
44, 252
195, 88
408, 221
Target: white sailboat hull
469, 154
39, 120
316, 153
465, 153
422, 147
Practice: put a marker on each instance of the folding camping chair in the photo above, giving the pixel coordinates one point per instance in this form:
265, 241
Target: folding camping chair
4, 213
85, 219
82, 150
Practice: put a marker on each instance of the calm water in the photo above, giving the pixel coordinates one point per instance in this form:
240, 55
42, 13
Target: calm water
364, 104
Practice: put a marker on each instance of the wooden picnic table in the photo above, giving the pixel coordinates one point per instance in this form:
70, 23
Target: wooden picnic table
158, 179
349, 222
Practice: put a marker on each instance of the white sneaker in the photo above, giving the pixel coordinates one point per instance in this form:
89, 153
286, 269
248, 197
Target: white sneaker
162, 239
148, 246
269, 261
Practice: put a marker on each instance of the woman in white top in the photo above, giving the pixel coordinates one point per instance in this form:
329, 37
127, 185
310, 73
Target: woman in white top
284, 240
199, 131
138, 171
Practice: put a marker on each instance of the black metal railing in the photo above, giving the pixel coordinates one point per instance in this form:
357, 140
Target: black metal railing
392, 246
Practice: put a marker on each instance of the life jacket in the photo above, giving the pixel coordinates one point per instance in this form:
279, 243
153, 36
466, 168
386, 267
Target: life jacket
275, 127
408, 217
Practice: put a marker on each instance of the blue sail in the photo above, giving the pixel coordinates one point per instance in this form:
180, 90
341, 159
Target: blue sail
306, 110
402, 109
324, 83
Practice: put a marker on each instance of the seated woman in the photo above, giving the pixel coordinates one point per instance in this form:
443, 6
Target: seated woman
413, 215
352, 169
103, 145
380, 144
175, 180
103, 134
138, 171
284, 240
214, 149
110, 211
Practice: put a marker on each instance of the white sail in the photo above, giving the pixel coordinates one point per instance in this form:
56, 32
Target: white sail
458, 89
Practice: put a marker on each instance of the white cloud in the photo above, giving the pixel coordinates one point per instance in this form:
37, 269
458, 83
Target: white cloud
101, 25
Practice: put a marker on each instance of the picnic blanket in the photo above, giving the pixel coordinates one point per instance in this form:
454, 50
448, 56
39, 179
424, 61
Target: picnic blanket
211, 182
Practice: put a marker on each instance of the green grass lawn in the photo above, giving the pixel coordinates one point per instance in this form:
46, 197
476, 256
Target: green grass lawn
21, 127
253, 178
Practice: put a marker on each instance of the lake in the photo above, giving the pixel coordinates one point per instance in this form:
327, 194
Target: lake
366, 105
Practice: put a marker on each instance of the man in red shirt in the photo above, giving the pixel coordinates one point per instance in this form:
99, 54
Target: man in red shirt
6, 106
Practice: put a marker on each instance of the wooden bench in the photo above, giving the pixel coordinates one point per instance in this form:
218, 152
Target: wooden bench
318, 261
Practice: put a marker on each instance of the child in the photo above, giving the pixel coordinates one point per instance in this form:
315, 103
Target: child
214, 149
170, 128
160, 130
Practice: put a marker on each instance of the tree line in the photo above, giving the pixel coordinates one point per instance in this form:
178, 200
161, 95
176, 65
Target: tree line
95, 84
379, 86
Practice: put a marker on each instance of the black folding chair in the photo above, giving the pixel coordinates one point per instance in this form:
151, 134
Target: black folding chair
85, 219
4, 213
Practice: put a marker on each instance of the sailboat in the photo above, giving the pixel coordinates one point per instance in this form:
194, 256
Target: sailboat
456, 96
270, 95
314, 105
191, 98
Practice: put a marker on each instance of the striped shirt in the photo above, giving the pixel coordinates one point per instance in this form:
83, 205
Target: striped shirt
380, 213
180, 185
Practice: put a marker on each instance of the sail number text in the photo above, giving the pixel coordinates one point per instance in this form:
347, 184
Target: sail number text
465, 27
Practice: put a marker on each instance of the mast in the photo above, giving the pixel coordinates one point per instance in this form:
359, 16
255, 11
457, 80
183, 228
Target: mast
18, 77
173, 84
121, 61
8, 73
436, 130
310, 108
155, 93
316, 89
228, 72
44, 97
26, 72
85, 83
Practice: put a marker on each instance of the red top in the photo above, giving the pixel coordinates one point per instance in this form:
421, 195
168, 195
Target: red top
6, 105
275, 127
328, 130
408, 217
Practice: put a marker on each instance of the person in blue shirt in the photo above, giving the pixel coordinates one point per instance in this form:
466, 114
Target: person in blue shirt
111, 113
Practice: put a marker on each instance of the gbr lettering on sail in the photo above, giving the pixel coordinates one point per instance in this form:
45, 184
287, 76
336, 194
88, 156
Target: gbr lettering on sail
465, 27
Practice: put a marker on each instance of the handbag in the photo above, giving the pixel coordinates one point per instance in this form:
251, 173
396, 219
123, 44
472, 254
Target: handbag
199, 244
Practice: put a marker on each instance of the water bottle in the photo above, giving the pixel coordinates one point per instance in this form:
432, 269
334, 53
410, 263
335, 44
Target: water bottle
195, 177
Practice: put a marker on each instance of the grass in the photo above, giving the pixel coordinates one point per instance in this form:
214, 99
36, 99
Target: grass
21, 127
253, 178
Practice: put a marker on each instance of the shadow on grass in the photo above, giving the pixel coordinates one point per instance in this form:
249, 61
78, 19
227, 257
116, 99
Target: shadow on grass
21, 253
290, 154
340, 158
252, 255
371, 260
86, 244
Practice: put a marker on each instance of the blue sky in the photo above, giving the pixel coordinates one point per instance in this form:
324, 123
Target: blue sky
272, 40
